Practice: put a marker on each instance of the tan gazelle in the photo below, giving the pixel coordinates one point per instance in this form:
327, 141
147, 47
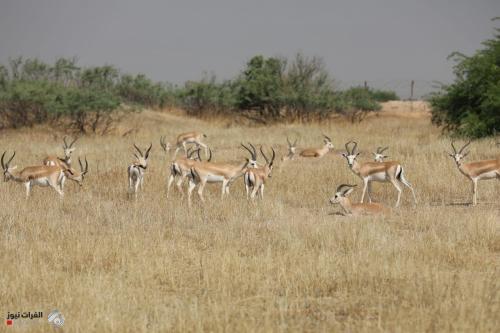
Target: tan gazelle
341, 197
475, 171
379, 155
318, 152
190, 138
390, 171
181, 168
225, 173
255, 178
41, 175
292, 150
64, 161
136, 169
165, 145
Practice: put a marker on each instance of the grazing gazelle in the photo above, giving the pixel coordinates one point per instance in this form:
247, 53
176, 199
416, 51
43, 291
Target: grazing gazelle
164, 145
77, 176
181, 168
292, 150
341, 197
41, 175
255, 178
136, 169
479, 170
318, 152
190, 137
390, 171
225, 173
379, 156
66, 160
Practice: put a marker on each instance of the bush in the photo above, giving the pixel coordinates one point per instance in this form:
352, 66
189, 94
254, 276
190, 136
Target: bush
471, 105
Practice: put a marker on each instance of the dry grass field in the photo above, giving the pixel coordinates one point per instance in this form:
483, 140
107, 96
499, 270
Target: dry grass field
289, 263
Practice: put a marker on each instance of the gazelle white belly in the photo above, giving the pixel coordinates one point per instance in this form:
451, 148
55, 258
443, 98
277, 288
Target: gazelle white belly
215, 179
40, 182
378, 177
488, 175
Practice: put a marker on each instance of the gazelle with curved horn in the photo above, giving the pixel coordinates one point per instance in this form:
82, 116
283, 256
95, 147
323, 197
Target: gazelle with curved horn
379, 155
318, 152
136, 169
292, 150
41, 175
475, 171
181, 168
190, 137
390, 171
77, 176
225, 173
341, 197
66, 160
255, 178
165, 145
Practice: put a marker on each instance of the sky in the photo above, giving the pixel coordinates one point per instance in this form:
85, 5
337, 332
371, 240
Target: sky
385, 42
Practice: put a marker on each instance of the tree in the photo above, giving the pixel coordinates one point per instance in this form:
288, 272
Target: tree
471, 105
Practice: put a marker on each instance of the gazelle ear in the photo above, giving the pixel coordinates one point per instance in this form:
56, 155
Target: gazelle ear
344, 154
71, 150
357, 154
348, 192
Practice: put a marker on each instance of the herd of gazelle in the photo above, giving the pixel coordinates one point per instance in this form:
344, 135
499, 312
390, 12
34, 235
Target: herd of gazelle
55, 170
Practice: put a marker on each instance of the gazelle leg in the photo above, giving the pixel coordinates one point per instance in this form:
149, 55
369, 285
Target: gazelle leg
399, 191
224, 185
200, 190
171, 179
178, 184
369, 190
254, 191
262, 192
474, 191
365, 186
410, 186
28, 189
191, 187
136, 185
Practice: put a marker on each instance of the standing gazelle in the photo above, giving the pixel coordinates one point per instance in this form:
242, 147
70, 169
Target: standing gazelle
66, 160
479, 170
41, 175
379, 155
164, 145
225, 173
190, 137
181, 168
136, 170
342, 198
390, 171
318, 152
255, 178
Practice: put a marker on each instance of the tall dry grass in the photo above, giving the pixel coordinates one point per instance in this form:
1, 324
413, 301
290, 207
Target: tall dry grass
289, 263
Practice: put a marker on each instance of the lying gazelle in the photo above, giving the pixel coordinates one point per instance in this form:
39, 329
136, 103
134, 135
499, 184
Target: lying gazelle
255, 178
181, 168
479, 170
379, 156
41, 175
66, 160
292, 149
318, 152
136, 169
390, 171
165, 145
225, 173
341, 197
190, 137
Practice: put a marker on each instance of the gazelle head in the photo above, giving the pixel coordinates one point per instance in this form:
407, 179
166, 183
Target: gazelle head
328, 142
7, 169
292, 147
251, 162
341, 194
269, 163
351, 155
68, 149
78, 176
379, 156
142, 159
459, 155
164, 144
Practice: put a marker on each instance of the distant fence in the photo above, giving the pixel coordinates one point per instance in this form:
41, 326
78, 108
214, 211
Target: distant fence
405, 89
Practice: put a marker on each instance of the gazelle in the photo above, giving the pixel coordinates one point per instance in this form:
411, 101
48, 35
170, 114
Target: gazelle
475, 171
292, 150
255, 178
181, 168
136, 170
225, 173
190, 137
41, 175
318, 152
77, 176
379, 156
390, 171
66, 160
341, 197
165, 145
